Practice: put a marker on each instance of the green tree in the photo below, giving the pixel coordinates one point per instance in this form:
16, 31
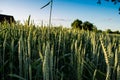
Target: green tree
83, 25
113, 1
95, 28
99, 31
88, 26
108, 31
77, 24
116, 32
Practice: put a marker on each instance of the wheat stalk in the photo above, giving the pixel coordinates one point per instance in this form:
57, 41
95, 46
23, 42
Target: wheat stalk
20, 54
29, 55
46, 69
4, 48
106, 60
118, 58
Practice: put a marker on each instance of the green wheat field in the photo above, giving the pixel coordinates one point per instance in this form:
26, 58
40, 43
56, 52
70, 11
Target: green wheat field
29, 52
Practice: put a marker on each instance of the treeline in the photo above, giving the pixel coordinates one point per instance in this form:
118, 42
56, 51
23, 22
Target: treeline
112, 32
78, 24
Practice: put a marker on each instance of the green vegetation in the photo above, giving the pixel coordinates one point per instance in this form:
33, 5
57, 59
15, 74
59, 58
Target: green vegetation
83, 25
113, 1
29, 52
87, 26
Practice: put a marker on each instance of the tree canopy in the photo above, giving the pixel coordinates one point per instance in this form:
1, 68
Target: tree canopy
88, 26
77, 24
113, 1
83, 25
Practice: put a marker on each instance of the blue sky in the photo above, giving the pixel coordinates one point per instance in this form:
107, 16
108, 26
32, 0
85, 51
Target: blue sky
104, 16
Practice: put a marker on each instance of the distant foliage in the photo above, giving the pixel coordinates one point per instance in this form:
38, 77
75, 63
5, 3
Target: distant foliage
77, 24
112, 32
88, 26
83, 25
108, 31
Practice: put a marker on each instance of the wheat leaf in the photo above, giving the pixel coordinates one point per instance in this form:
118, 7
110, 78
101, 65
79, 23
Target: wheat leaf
16, 76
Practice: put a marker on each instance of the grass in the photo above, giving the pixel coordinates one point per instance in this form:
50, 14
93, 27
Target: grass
28, 52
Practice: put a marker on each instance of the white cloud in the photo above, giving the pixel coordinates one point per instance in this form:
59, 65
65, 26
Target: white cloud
60, 19
1, 11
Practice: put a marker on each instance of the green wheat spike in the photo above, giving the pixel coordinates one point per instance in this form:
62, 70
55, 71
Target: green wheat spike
106, 60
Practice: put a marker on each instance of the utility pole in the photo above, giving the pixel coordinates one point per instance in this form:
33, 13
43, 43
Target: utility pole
50, 17
51, 4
